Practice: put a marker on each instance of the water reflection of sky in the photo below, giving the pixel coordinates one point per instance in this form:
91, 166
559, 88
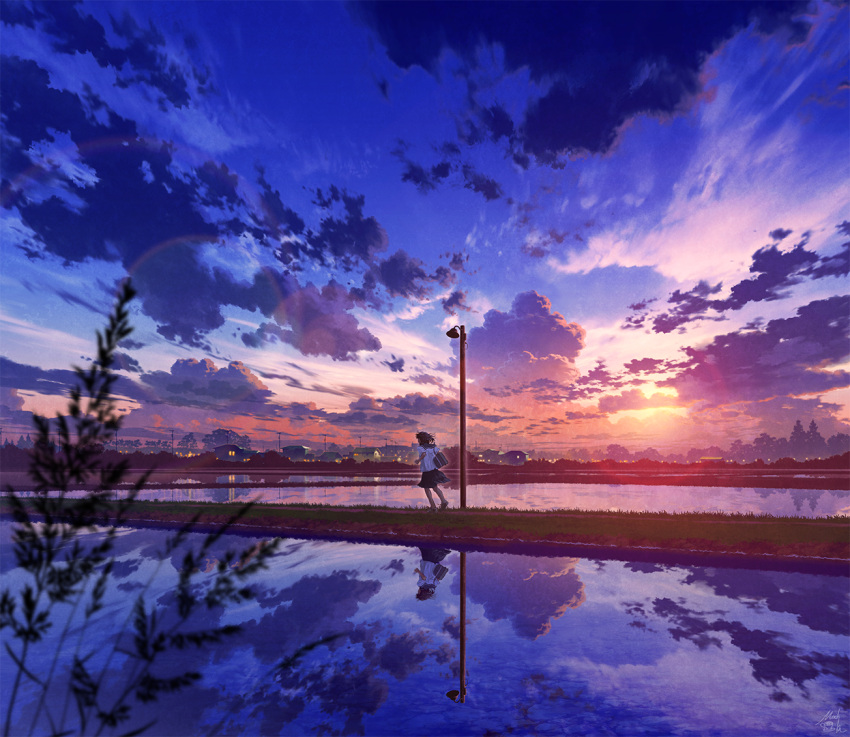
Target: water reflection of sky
554, 646
778, 502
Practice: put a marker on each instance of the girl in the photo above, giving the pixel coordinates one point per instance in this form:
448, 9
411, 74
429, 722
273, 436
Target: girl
431, 475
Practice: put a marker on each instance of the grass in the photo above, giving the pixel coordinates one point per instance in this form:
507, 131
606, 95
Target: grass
510, 528
760, 534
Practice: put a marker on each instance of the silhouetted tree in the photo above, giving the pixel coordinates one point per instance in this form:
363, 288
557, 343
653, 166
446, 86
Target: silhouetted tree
815, 444
188, 442
797, 442
766, 447
616, 452
838, 444
224, 436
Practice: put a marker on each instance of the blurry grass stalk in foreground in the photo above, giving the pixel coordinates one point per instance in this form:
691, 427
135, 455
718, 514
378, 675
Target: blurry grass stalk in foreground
64, 574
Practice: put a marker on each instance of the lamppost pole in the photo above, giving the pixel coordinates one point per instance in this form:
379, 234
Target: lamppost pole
459, 331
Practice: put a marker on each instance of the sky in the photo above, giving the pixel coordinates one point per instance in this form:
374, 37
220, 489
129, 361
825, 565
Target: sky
639, 211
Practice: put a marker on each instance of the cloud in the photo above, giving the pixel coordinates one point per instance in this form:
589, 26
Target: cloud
404, 276
31, 378
456, 302
776, 272
196, 383
788, 357
584, 96
396, 365
90, 183
529, 327
634, 399
345, 234
406, 410
317, 323
529, 592
528, 351
771, 659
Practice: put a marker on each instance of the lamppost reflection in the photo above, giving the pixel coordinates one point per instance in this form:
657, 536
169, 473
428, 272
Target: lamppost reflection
459, 695
430, 572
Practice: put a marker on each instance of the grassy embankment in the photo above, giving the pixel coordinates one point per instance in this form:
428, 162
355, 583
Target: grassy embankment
508, 530
514, 531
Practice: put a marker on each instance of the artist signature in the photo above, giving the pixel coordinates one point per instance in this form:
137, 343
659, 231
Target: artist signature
833, 722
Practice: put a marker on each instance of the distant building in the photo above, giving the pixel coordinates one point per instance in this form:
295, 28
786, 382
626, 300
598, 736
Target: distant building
295, 452
366, 454
330, 456
509, 458
514, 458
400, 453
488, 456
233, 453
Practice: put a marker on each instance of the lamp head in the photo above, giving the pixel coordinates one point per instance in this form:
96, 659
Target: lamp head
453, 333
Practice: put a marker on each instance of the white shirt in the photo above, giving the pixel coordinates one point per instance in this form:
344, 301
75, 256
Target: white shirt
427, 462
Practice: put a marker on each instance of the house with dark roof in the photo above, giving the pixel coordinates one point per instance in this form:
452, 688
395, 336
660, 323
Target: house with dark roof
233, 453
295, 452
366, 454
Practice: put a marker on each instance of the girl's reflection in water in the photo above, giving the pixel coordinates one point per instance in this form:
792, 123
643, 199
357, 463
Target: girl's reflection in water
430, 571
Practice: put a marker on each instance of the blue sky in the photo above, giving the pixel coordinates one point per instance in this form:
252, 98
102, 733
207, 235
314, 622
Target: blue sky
638, 210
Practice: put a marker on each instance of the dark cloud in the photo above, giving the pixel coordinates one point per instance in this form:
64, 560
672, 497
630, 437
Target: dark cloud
404, 276
317, 323
481, 183
345, 235
772, 660
147, 207
405, 410
780, 234
652, 61
775, 272
579, 416
646, 365
423, 378
125, 362
687, 305
529, 349
530, 326
396, 365
539, 245
787, 357
456, 302
43, 381
599, 379
196, 383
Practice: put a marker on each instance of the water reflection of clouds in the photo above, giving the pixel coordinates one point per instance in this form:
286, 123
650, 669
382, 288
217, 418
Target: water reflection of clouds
555, 646
529, 592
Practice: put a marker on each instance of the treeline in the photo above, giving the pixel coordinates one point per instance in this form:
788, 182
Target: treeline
801, 445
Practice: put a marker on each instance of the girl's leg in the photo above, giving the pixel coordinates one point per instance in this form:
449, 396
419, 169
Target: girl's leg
430, 498
440, 494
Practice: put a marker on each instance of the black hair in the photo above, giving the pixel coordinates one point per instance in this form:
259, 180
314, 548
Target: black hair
426, 592
425, 438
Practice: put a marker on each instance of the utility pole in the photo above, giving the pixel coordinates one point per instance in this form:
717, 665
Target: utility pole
459, 332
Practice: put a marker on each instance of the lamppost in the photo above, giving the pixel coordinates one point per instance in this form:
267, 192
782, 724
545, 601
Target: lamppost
459, 332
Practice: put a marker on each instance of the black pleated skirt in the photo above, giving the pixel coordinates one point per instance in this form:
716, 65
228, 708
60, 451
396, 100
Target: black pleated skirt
430, 479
